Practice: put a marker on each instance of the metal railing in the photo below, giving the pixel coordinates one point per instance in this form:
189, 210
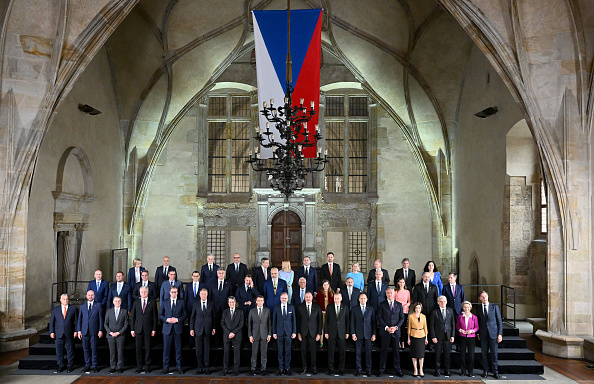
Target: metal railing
505, 293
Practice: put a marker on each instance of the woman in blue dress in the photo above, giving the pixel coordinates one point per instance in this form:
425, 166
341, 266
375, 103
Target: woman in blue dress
287, 275
434, 275
357, 276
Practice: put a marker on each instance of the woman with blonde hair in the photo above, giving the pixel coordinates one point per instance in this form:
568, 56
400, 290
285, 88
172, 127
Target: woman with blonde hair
467, 327
135, 272
358, 280
287, 274
417, 338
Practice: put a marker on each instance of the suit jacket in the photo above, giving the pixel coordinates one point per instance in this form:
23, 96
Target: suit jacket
473, 324
206, 276
189, 297
259, 327
219, 298
440, 329
390, 318
101, 293
234, 324
311, 279
90, 323
236, 279
296, 299
284, 325
132, 277
63, 326
179, 313
492, 324
116, 325
363, 326
385, 276
375, 297
242, 296
335, 280
152, 291
161, 277
309, 325
409, 282
166, 286
454, 301
259, 278
354, 300
270, 298
202, 322
125, 295
144, 322
337, 326
429, 300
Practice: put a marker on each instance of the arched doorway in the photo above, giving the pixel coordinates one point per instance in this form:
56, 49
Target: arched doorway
286, 239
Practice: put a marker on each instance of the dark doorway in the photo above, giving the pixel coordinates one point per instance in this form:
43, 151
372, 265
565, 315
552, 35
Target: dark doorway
286, 239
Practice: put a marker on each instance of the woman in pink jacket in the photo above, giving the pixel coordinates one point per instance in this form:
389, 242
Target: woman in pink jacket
467, 326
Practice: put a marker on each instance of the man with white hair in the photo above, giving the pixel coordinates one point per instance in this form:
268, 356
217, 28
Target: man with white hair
442, 329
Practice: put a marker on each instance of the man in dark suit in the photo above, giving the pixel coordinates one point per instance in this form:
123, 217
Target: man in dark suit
236, 272
376, 291
135, 273
209, 271
62, 328
310, 274
246, 294
390, 317
162, 273
378, 267
262, 274
153, 294
407, 274
363, 332
426, 294
299, 294
442, 328
172, 314
219, 292
259, 332
121, 289
232, 323
192, 293
116, 322
336, 331
284, 329
170, 283
454, 293
100, 287
90, 329
202, 328
309, 331
331, 272
273, 288
143, 327
490, 333
351, 294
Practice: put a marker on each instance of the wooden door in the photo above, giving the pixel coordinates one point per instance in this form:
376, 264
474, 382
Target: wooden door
286, 239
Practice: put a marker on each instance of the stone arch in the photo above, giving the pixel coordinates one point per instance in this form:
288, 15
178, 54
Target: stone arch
278, 209
85, 168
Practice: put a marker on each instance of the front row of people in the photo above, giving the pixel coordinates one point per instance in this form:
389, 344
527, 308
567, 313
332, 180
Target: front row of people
284, 323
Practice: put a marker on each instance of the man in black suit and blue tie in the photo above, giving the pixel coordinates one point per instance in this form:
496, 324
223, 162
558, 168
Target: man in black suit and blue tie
490, 333
170, 283
90, 330
62, 328
376, 290
144, 282
299, 294
208, 272
284, 330
121, 289
100, 287
390, 317
310, 274
363, 333
202, 327
172, 314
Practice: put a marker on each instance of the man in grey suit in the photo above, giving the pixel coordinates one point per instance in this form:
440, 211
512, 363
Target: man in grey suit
116, 322
259, 332
232, 324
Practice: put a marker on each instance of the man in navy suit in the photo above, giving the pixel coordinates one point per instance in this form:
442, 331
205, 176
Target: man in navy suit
351, 294
390, 317
262, 274
202, 328
167, 285
376, 290
162, 273
121, 289
246, 295
209, 271
172, 314
331, 272
284, 330
89, 328
273, 288
299, 294
100, 287
192, 293
490, 333
144, 282
62, 328
236, 272
135, 273
363, 332
310, 274
454, 293
219, 292
378, 267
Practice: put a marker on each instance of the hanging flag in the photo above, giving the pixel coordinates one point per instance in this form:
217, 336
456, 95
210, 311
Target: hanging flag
270, 35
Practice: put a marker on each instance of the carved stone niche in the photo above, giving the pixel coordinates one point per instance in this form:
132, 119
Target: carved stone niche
302, 203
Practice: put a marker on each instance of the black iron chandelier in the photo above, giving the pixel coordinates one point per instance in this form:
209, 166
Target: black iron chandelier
288, 170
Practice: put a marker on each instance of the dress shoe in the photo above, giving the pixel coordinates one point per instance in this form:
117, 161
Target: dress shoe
304, 371
60, 369
437, 374
399, 374
470, 374
253, 373
165, 371
112, 370
200, 371
148, 370
70, 369
96, 369
288, 372
446, 373
331, 372
225, 373
341, 373
280, 372
207, 371
380, 373
121, 370
234, 373
496, 375
86, 370
358, 373
484, 374
138, 370
180, 370
368, 373
264, 372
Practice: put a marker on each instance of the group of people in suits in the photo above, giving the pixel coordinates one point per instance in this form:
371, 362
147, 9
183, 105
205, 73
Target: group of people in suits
230, 307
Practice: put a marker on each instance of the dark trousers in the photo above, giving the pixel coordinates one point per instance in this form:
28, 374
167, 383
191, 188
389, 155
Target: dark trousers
227, 343
262, 346
175, 339
387, 341
489, 351
467, 358
89, 342
68, 342
143, 340
308, 343
443, 346
358, 350
332, 342
284, 352
202, 344
116, 351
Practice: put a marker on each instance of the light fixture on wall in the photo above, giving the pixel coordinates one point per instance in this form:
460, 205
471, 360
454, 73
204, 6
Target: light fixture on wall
88, 109
486, 112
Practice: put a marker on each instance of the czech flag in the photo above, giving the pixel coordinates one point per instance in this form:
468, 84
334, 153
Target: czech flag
270, 34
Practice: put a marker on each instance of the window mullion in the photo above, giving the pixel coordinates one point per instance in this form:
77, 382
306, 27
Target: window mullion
345, 144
